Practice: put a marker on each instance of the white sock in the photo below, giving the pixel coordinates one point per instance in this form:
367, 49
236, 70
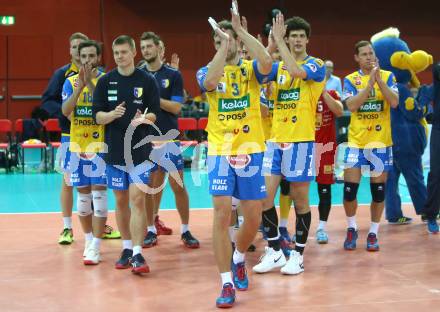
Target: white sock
238, 256
322, 225
137, 250
232, 234
88, 236
96, 243
67, 222
374, 228
127, 244
283, 223
152, 228
184, 228
226, 278
351, 221
240, 220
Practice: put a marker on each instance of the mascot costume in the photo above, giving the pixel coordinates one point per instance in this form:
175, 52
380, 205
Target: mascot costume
409, 128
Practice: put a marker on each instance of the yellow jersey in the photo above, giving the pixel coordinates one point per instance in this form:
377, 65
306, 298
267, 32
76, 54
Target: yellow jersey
370, 125
234, 120
294, 113
86, 136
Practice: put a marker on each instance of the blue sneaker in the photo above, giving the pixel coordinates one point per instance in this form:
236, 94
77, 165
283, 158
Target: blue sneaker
284, 233
321, 237
350, 240
239, 276
432, 226
372, 243
227, 297
285, 246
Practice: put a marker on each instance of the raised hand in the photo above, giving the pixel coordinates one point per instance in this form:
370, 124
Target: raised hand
235, 17
174, 61
80, 82
373, 75
244, 23
119, 111
278, 28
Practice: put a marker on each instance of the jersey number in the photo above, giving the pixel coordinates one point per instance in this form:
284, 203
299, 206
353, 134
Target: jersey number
236, 91
87, 97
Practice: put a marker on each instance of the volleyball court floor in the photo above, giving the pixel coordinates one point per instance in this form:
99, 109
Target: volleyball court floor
37, 274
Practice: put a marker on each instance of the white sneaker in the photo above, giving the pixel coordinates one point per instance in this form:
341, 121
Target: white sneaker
270, 260
92, 257
86, 247
295, 264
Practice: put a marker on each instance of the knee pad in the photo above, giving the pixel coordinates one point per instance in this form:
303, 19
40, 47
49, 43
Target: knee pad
325, 193
285, 187
84, 204
350, 191
100, 204
235, 203
377, 192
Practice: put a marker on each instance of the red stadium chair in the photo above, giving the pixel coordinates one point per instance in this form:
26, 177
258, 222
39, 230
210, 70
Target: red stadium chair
6, 128
187, 124
52, 126
201, 126
23, 146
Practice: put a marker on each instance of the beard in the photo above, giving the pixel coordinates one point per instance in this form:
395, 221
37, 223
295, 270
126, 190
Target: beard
151, 59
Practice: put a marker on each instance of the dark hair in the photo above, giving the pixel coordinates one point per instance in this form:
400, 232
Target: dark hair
149, 35
78, 35
90, 43
226, 25
360, 44
298, 23
123, 39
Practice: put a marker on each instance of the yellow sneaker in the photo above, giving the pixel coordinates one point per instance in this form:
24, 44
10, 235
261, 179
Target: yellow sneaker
110, 233
66, 237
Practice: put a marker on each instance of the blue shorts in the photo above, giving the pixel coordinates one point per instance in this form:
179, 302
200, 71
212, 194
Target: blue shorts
238, 176
294, 161
119, 179
167, 156
378, 160
87, 170
64, 151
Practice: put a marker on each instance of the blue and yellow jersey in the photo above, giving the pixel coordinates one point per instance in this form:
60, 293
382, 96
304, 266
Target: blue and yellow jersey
268, 96
234, 121
296, 99
86, 136
371, 123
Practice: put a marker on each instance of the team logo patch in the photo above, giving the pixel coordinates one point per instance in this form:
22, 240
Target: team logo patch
357, 80
243, 71
239, 161
138, 92
281, 79
221, 87
312, 67
165, 83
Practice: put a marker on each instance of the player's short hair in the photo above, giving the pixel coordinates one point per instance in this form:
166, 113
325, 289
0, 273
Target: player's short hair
90, 43
78, 35
298, 23
226, 25
123, 39
149, 35
360, 44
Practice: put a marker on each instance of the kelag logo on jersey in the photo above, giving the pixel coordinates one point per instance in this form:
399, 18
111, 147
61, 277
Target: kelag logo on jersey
371, 107
83, 111
233, 105
289, 95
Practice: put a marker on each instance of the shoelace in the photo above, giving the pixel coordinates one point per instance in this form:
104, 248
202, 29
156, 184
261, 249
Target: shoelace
241, 271
349, 235
227, 291
108, 229
372, 239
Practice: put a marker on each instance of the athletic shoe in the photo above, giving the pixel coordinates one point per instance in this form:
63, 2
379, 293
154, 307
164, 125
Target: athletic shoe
110, 233
321, 236
125, 259
372, 243
66, 237
425, 218
432, 226
227, 297
295, 264
285, 234
270, 260
150, 240
400, 221
139, 265
350, 240
239, 275
161, 228
189, 240
92, 257
86, 247
285, 246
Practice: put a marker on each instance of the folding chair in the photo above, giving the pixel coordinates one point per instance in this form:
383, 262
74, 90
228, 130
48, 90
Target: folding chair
23, 146
187, 124
52, 126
